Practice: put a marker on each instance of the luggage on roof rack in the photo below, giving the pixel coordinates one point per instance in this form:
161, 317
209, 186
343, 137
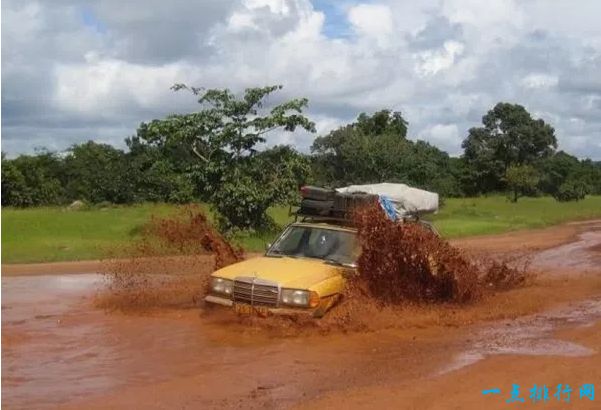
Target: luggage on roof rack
400, 201
323, 203
406, 200
317, 193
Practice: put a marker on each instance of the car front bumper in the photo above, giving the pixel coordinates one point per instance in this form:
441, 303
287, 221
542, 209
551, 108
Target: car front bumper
217, 300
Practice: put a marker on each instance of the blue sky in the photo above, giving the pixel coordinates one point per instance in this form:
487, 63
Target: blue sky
89, 19
336, 24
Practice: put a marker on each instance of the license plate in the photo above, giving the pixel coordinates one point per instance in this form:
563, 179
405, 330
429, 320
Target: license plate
244, 309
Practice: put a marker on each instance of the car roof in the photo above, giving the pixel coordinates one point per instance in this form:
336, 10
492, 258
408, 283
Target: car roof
325, 225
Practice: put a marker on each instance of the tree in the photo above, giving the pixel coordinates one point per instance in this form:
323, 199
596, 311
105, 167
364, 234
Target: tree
14, 188
591, 174
97, 173
254, 184
374, 149
224, 136
509, 136
556, 169
160, 173
521, 180
361, 151
32, 180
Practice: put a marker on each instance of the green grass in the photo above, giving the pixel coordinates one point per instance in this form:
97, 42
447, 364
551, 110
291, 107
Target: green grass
54, 234
495, 214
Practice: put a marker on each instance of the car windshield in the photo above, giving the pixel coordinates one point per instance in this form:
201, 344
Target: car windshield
330, 245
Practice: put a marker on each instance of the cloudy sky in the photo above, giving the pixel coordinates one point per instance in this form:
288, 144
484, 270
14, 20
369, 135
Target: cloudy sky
77, 70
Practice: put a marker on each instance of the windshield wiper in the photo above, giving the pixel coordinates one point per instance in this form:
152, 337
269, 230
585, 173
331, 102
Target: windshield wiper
336, 262
274, 253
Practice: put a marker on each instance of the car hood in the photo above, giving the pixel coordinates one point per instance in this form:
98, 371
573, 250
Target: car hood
298, 273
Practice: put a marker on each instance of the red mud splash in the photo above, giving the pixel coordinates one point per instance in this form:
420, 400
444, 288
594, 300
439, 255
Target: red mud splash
169, 265
405, 269
407, 277
190, 233
401, 267
408, 262
405, 261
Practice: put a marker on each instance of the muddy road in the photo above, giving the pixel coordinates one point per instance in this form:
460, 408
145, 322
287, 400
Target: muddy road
61, 352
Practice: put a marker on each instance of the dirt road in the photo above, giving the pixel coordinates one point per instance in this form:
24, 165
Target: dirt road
59, 351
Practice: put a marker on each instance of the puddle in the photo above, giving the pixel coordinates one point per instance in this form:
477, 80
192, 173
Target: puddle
45, 296
531, 335
58, 349
582, 254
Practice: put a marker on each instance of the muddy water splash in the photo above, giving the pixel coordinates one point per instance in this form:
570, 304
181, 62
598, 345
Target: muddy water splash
169, 265
402, 267
406, 261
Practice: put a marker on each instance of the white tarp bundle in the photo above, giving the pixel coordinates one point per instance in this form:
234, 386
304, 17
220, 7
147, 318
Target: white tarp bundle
406, 200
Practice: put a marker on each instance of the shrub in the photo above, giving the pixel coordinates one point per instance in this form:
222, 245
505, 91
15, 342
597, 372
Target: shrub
571, 190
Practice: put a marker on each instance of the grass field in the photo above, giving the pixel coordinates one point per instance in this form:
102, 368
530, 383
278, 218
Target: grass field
55, 234
494, 214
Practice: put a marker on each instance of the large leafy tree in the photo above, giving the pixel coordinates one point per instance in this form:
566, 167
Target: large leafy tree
98, 172
224, 137
556, 169
509, 137
31, 180
159, 173
14, 187
362, 151
249, 188
375, 148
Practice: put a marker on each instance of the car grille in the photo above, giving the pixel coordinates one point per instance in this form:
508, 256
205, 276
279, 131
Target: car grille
256, 291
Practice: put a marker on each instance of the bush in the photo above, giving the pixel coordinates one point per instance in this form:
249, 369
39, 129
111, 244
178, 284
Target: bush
571, 191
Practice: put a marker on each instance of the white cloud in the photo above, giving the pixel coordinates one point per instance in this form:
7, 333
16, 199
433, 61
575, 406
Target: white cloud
445, 136
108, 87
371, 21
537, 80
483, 13
443, 63
432, 62
275, 6
239, 21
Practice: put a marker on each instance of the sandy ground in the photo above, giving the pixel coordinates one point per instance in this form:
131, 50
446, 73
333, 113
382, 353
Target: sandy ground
60, 351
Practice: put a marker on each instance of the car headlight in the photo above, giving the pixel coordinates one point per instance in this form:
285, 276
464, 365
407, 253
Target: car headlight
223, 286
296, 297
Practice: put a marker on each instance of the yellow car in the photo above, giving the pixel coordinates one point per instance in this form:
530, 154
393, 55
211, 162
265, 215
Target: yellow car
302, 272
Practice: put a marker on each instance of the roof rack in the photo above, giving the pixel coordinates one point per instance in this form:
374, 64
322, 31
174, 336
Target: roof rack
326, 205
303, 217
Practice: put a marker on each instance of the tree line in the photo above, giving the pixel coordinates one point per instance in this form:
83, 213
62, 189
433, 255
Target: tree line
213, 155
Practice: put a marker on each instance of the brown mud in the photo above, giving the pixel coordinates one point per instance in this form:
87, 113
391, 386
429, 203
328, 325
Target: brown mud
462, 389
399, 264
406, 262
168, 266
60, 351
